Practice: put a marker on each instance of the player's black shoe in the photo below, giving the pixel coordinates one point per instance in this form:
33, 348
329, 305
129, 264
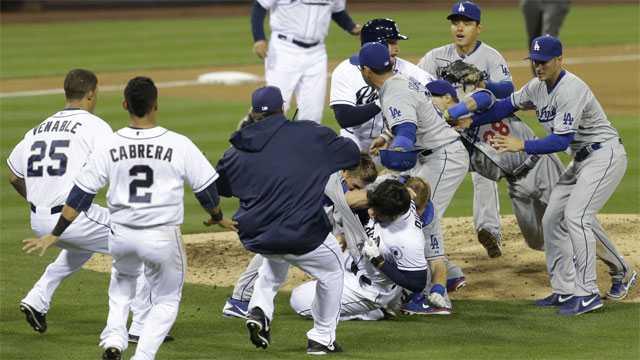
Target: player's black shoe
112, 353
258, 326
134, 339
315, 348
491, 242
37, 320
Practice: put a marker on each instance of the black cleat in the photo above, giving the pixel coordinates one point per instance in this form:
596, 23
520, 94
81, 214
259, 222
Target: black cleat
133, 339
258, 326
37, 320
112, 353
315, 348
491, 242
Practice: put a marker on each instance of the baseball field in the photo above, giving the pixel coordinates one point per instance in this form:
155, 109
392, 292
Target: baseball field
493, 316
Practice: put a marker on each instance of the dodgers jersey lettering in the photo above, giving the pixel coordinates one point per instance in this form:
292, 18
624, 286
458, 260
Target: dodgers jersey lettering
147, 169
349, 88
484, 57
406, 100
52, 153
305, 20
568, 107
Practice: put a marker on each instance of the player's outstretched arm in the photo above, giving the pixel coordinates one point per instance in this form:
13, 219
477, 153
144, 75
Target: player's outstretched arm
438, 280
67, 216
218, 219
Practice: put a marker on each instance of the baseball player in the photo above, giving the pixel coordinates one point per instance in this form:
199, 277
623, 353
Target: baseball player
392, 257
42, 167
296, 57
543, 17
465, 28
414, 120
278, 169
146, 166
576, 124
359, 178
354, 103
530, 178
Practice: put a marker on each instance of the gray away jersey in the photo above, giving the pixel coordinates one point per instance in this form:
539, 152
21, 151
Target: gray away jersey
484, 57
405, 100
568, 107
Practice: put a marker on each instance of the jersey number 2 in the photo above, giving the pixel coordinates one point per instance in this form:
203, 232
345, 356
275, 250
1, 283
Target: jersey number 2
35, 171
140, 183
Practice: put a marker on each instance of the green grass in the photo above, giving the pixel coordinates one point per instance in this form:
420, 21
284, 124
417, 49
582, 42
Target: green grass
32, 50
477, 329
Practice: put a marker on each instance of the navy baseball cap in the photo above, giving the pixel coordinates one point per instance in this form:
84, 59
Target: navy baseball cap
466, 8
372, 54
266, 98
545, 48
440, 88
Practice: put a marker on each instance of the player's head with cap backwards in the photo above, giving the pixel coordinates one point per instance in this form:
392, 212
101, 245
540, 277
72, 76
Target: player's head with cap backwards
266, 101
546, 54
465, 25
388, 201
81, 89
141, 97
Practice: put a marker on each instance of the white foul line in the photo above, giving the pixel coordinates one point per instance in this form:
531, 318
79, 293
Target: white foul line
170, 84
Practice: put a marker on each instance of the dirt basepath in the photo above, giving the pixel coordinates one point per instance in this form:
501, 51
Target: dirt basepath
519, 274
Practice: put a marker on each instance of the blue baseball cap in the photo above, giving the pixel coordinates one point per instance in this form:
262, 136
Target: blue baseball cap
266, 98
545, 48
466, 8
372, 54
441, 87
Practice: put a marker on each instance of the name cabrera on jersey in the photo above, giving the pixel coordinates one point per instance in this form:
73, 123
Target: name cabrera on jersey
484, 57
52, 153
305, 20
484, 158
147, 169
570, 107
400, 242
349, 88
406, 100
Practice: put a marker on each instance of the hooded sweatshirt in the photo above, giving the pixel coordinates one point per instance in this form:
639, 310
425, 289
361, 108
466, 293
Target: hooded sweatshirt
278, 168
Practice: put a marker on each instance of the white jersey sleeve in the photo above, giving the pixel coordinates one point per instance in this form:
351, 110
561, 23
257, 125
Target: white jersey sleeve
348, 87
412, 71
199, 173
14, 161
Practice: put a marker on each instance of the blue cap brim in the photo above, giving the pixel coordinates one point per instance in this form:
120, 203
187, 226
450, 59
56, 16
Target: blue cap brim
355, 59
540, 57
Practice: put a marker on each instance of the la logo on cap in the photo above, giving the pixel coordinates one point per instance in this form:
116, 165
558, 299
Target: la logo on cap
536, 47
461, 8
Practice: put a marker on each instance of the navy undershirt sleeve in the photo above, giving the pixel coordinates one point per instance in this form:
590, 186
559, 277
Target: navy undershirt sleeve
348, 116
79, 199
411, 280
500, 89
208, 197
405, 135
343, 19
500, 110
258, 13
548, 144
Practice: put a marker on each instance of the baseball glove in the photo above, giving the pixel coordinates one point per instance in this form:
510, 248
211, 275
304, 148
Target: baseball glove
462, 73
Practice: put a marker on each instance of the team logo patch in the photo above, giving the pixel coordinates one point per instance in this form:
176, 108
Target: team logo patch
395, 113
536, 47
461, 8
396, 252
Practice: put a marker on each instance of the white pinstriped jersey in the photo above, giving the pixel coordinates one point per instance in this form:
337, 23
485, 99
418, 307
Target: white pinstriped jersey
568, 107
349, 88
305, 20
405, 100
484, 57
52, 153
146, 169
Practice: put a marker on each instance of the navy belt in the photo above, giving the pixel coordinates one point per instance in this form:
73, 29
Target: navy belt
299, 43
587, 150
429, 152
54, 210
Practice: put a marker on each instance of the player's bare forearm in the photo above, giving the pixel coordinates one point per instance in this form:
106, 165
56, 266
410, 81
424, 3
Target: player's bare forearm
217, 219
357, 199
18, 184
377, 144
507, 143
438, 272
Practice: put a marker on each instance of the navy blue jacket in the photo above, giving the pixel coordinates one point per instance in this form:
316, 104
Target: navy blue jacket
278, 168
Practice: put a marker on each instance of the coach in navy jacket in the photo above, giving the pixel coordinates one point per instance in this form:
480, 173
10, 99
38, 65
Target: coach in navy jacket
278, 168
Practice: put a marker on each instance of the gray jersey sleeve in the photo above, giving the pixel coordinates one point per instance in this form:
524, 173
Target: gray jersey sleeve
569, 104
428, 63
523, 98
399, 104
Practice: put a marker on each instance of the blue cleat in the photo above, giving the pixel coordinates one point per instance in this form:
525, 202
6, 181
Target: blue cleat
581, 304
236, 308
553, 300
418, 305
456, 283
620, 291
